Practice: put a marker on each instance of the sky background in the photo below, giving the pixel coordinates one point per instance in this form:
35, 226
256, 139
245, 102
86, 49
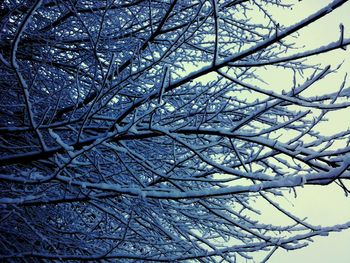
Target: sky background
322, 205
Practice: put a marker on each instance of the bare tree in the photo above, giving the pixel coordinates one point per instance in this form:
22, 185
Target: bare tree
114, 147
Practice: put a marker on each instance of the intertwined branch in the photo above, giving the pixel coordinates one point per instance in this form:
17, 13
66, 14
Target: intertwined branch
140, 130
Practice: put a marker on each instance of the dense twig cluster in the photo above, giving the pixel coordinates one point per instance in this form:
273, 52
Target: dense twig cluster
114, 146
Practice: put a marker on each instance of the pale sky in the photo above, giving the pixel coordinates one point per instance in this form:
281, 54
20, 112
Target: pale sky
323, 205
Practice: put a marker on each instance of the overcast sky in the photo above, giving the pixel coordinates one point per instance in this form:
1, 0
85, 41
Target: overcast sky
322, 205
